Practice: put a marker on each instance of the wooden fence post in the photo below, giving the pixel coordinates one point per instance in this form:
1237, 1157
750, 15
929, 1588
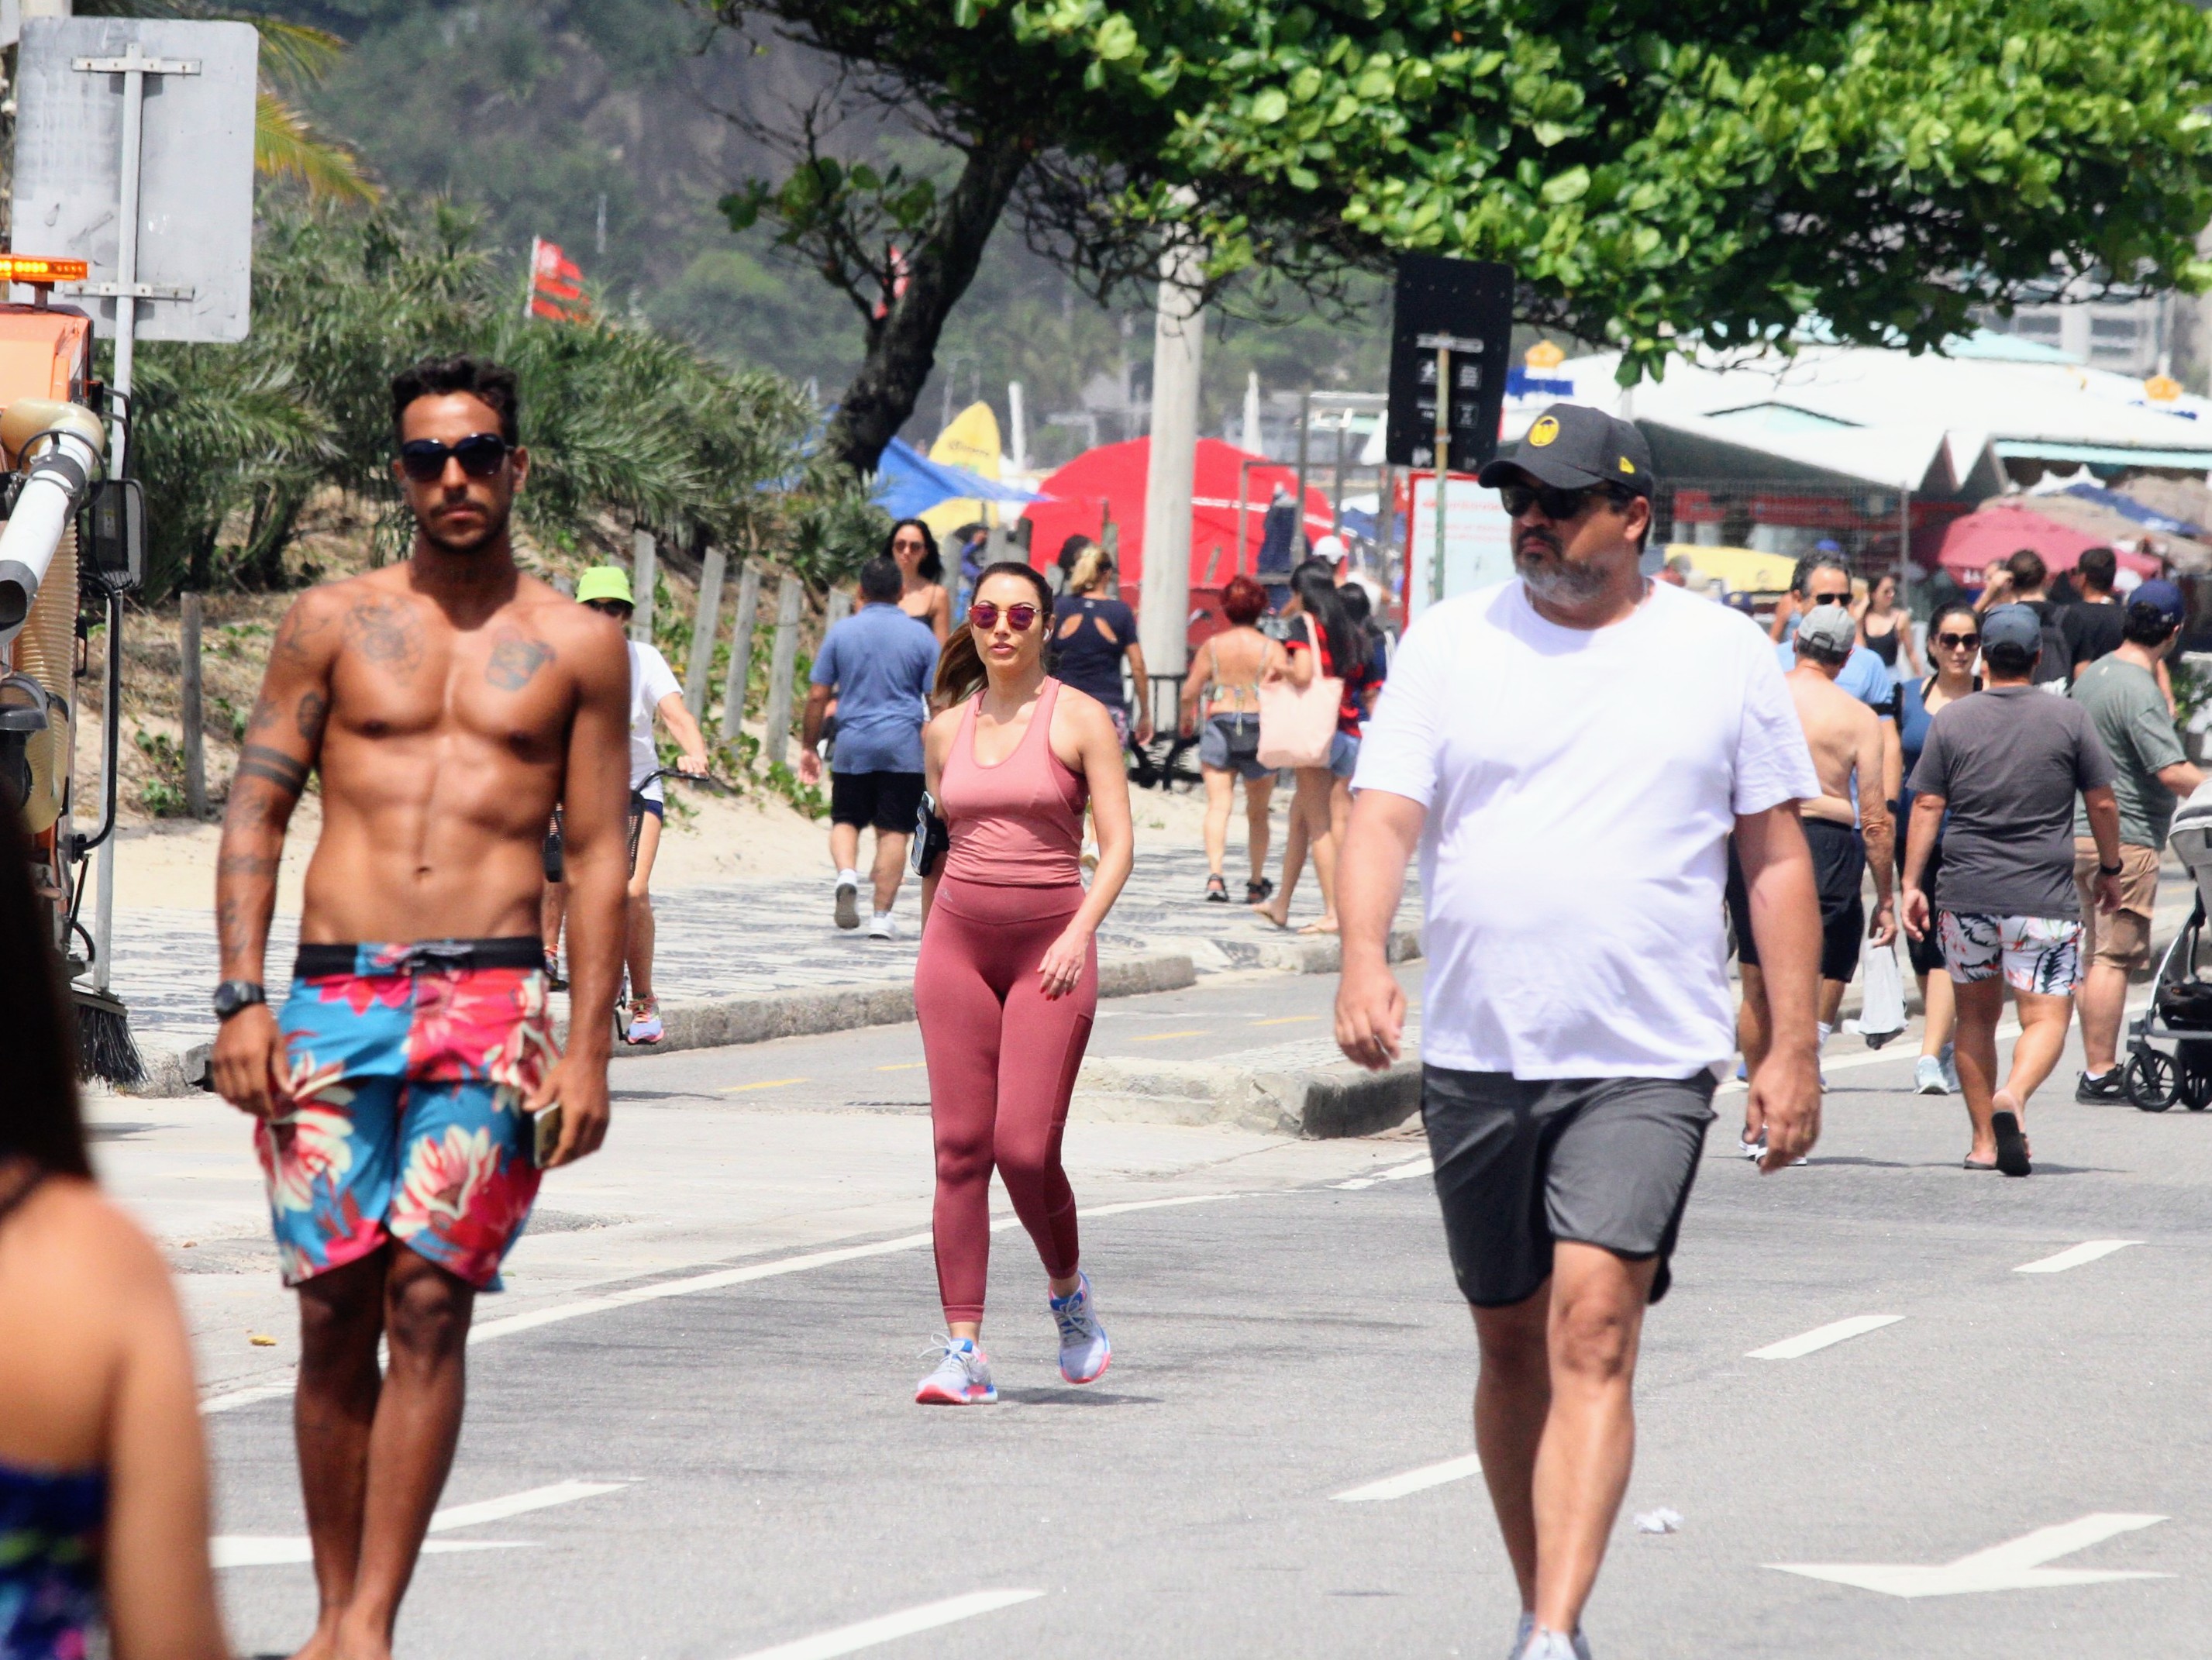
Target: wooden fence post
703, 634
196, 795
783, 660
745, 619
643, 578
837, 608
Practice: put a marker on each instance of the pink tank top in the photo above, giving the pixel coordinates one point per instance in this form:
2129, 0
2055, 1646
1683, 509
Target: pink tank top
1018, 824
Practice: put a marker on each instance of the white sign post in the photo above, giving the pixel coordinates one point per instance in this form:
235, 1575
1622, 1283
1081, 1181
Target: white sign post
134, 150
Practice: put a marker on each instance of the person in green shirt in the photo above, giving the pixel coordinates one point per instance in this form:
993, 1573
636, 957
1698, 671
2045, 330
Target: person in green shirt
2150, 772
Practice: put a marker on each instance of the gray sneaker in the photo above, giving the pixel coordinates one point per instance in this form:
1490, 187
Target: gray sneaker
963, 1378
1085, 1354
1950, 1061
849, 903
1552, 1646
1928, 1076
1523, 1632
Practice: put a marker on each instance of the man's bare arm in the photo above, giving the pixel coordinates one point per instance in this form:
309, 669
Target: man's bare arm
1370, 877
1876, 828
595, 842
284, 742
1785, 924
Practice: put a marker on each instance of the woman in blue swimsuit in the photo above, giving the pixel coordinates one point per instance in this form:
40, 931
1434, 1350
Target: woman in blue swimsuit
103, 1479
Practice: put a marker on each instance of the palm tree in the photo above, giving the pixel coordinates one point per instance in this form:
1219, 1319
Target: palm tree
293, 58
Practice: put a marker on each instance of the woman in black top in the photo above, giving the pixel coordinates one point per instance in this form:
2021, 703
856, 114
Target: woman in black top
1091, 636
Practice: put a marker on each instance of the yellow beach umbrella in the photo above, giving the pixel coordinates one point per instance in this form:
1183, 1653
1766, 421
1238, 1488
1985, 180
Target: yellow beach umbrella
971, 441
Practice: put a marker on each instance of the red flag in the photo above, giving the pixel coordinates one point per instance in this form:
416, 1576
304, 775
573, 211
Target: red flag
556, 283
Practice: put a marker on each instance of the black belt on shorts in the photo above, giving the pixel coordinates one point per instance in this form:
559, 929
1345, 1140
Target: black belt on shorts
517, 951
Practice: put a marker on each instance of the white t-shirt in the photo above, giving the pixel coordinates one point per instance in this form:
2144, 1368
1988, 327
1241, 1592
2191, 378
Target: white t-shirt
650, 680
1580, 787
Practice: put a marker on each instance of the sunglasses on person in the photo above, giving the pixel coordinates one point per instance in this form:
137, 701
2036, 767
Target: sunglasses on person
1840, 597
1957, 640
481, 455
985, 616
613, 608
1558, 505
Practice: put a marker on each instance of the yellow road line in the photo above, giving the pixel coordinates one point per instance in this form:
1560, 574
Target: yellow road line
904, 1066
1162, 1036
1286, 1019
766, 1083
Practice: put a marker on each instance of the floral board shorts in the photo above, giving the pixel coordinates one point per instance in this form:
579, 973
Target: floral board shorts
398, 1111
2041, 954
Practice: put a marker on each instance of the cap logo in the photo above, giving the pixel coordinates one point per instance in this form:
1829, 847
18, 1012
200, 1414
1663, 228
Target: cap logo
1627, 465
1544, 432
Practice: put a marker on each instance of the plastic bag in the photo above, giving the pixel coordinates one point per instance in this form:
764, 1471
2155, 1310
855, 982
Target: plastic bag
1881, 1015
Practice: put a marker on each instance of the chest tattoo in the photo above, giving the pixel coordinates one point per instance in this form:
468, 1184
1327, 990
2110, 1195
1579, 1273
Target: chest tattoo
515, 659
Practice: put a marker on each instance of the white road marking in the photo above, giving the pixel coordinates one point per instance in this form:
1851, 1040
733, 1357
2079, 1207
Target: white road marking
2016, 1565
1420, 1481
851, 1639
2073, 1257
556, 1313
1395, 1173
498, 1509
1838, 1331
236, 1550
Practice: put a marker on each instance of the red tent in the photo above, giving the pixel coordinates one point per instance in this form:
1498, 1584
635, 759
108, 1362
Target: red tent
1972, 541
1113, 476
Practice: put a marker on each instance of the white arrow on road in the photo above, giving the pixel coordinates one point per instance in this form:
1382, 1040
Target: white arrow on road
2016, 1565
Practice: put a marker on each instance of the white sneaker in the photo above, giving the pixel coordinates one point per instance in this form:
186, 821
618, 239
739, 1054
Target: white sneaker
849, 899
1085, 1351
1950, 1069
963, 1378
1928, 1076
1751, 1150
1554, 1645
880, 925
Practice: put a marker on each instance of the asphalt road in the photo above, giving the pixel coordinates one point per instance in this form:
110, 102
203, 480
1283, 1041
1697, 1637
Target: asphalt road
737, 1470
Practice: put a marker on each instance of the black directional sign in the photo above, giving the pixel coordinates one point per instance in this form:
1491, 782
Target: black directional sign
1467, 306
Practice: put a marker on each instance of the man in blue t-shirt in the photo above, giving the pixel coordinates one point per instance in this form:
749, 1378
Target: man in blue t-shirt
877, 663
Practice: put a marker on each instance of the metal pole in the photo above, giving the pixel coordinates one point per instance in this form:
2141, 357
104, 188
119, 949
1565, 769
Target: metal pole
1336, 478
1244, 507
1385, 515
703, 634
644, 579
1305, 421
783, 660
194, 716
1443, 470
743, 621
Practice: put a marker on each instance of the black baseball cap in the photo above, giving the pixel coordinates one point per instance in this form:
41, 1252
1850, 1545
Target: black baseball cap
1574, 446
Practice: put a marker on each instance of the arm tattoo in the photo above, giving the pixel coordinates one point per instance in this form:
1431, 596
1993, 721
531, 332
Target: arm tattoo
314, 710
515, 659
272, 767
386, 633
248, 865
264, 715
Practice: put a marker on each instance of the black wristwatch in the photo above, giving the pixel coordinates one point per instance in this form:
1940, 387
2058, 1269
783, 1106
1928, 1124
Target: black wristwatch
232, 996
2110, 870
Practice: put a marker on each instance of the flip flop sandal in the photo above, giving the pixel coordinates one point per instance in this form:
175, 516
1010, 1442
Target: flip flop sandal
1217, 890
2012, 1146
1259, 892
1976, 1164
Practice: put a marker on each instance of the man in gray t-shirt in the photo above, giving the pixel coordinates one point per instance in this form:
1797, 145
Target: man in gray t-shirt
2006, 764
2120, 692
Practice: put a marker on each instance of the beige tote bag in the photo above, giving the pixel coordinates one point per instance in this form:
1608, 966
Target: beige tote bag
1297, 726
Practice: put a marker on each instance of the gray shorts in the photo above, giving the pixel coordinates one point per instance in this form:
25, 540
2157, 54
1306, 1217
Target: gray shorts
1217, 748
1595, 1161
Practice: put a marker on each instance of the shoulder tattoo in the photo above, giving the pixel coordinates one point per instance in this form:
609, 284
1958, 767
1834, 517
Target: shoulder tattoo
515, 659
386, 633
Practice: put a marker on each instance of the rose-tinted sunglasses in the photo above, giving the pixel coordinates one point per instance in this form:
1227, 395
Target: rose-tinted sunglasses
985, 615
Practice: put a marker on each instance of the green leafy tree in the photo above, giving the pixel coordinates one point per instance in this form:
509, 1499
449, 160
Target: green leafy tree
1658, 176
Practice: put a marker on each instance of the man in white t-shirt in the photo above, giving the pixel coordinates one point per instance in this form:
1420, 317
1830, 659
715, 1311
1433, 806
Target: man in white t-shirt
654, 693
1569, 752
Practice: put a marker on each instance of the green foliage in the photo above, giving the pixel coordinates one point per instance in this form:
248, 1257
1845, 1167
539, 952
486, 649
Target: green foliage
625, 424
1662, 175
162, 794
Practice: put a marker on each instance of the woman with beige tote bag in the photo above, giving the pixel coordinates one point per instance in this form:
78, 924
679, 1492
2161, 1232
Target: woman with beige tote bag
1308, 720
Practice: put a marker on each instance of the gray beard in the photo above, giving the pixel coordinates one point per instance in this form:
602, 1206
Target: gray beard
1552, 578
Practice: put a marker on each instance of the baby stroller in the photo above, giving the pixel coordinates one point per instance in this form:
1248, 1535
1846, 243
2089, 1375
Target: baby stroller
2180, 1012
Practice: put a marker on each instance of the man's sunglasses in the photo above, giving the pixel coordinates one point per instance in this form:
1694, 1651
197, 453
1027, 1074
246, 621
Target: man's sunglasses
1843, 598
985, 615
481, 455
1956, 640
1558, 505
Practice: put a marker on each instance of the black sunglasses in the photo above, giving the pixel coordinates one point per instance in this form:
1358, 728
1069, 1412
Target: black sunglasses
1843, 598
1958, 639
1558, 505
481, 455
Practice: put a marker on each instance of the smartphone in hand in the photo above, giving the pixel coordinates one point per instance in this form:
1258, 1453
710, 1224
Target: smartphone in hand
544, 1134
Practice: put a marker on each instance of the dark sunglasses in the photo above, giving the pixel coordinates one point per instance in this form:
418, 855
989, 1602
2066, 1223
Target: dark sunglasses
985, 615
613, 608
481, 455
1958, 639
1558, 505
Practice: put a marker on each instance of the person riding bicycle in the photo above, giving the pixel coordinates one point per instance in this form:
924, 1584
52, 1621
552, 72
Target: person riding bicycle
653, 690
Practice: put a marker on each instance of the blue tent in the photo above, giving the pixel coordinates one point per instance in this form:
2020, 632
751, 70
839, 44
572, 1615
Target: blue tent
909, 482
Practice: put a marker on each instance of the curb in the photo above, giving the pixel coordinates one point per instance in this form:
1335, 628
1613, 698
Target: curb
1318, 1102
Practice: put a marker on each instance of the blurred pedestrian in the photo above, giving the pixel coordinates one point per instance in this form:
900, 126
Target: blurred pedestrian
1847, 827
2094, 624
1220, 707
1323, 644
1093, 635
1954, 641
2150, 772
1007, 984
2023, 578
1885, 628
1569, 751
877, 664
103, 1467
2006, 764
912, 546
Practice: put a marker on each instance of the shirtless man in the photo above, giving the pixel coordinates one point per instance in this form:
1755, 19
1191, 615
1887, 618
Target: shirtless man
1846, 739
450, 703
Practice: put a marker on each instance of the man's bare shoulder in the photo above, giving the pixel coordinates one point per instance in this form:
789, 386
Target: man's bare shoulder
577, 636
314, 628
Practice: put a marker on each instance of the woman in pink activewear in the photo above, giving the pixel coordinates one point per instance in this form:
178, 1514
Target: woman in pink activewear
1006, 983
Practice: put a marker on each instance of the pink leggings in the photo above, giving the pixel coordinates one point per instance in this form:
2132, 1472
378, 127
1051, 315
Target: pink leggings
1002, 1064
